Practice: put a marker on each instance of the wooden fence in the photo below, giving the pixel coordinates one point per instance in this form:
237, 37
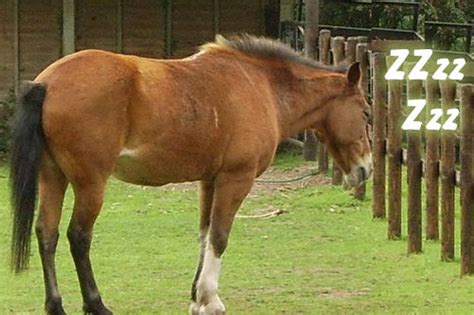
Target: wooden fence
427, 154
33, 34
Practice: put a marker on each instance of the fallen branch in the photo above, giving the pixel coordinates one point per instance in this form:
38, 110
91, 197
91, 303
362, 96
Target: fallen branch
286, 181
294, 142
267, 215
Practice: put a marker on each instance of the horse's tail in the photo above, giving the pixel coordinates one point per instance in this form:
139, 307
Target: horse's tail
25, 157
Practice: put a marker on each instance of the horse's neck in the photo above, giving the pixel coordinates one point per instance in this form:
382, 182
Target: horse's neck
306, 107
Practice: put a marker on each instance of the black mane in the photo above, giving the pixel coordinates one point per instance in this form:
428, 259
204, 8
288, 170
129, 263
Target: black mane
269, 48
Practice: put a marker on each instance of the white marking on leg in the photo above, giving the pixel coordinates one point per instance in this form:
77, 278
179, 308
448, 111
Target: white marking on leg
194, 308
208, 283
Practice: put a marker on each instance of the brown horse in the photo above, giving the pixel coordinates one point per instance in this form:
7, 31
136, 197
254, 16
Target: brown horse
216, 117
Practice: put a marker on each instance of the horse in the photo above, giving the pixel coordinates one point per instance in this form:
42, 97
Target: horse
215, 117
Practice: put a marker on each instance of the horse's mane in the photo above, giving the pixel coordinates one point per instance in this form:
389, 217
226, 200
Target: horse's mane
268, 48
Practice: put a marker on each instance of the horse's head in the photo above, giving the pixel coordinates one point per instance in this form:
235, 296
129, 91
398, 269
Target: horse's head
345, 130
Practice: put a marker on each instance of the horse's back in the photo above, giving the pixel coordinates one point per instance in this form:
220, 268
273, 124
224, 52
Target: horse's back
202, 114
178, 127
154, 121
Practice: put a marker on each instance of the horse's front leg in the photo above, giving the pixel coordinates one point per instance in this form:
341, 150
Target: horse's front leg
88, 202
206, 197
230, 189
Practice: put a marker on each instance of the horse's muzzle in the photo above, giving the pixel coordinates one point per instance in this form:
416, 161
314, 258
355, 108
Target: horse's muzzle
359, 173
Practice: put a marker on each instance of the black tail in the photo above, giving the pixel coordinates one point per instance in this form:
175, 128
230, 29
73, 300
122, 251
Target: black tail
25, 156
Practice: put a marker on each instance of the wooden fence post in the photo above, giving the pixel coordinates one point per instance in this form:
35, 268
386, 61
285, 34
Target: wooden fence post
338, 49
448, 176
16, 46
467, 179
378, 138
119, 26
216, 7
432, 164
362, 39
168, 29
361, 55
324, 47
338, 56
350, 47
394, 142
69, 32
310, 38
414, 177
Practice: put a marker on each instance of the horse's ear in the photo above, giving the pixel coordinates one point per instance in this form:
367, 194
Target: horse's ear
353, 74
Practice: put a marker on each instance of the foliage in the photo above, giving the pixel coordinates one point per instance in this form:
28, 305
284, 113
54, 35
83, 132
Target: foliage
445, 38
6, 111
370, 15
392, 17
325, 255
344, 13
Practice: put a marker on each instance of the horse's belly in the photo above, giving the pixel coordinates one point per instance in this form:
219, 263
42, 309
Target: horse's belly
134, 167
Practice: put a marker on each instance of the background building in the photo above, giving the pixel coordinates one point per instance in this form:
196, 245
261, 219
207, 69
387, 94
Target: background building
34, 33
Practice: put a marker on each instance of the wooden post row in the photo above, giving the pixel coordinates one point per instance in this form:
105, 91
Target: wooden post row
415, 169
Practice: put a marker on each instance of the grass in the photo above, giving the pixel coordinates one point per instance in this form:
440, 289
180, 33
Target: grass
324, 256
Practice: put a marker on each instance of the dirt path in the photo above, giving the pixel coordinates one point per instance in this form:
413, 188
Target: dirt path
274, 179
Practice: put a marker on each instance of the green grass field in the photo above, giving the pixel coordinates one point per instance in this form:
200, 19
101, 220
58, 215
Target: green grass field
324, 255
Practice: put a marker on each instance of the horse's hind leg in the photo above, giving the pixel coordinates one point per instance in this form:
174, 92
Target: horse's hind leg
88, 202
51, 191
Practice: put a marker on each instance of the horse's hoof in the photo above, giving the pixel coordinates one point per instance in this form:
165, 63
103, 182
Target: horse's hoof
57, 311
214, 308
104, 311
96, 308
54, 307
194, 308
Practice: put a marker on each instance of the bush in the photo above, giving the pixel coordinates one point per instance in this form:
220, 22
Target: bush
6, 112
447, 38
